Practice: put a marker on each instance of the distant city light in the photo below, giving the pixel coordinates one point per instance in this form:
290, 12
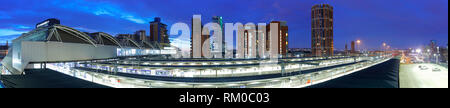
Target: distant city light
418, 50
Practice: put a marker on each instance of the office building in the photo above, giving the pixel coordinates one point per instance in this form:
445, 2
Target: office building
282, 35
249, 43
199, 46
205, 44
322, 30
158, 32
219, 20
353, 47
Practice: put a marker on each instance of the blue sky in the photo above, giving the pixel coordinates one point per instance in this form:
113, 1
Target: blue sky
400, 23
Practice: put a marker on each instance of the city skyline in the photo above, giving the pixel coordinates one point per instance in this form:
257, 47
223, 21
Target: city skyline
428, 20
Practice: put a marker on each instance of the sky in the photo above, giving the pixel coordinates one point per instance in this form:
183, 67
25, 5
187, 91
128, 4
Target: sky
399, 23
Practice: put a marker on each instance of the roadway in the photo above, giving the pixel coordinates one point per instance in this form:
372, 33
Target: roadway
411, 76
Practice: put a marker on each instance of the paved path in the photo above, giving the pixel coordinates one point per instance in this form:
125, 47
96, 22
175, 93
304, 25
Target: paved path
411, 76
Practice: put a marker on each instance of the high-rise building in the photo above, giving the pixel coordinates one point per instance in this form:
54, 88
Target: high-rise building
282, 35
158, 32
219, 20
205, 45
197, 29
353, 47
322, 30
249, 43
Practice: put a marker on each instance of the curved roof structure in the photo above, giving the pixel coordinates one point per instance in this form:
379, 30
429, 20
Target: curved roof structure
57, 33
61, 43
60, 33
105, 39
129, 42
66, 34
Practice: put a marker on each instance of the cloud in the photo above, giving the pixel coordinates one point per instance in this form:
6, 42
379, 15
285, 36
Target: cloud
134, 19
100, 9
103, 12
8, 32
9, 38
22, 27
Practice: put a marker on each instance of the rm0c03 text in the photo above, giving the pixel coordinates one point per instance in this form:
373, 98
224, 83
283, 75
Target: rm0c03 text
246, 97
